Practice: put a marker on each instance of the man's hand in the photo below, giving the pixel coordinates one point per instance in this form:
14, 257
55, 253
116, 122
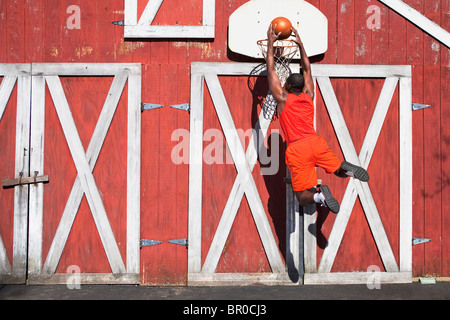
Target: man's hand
271, 36
297, 36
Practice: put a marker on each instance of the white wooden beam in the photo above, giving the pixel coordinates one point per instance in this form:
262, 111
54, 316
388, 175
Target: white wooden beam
150, 12
195, 175
6, 88
143, 28
419, 20
406, 181
134, 172
368, 278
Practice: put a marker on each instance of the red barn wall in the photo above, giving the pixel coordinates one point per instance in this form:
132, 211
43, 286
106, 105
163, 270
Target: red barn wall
36, 31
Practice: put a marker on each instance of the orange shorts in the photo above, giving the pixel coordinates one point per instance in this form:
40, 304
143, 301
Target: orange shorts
302, 158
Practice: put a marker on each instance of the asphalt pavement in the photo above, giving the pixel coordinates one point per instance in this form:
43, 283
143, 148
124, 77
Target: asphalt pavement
412, 291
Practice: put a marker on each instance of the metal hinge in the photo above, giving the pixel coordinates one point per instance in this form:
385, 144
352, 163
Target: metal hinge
150, 106
184, 106
181, 242
119, 23
418, 106
147, 243
416, 241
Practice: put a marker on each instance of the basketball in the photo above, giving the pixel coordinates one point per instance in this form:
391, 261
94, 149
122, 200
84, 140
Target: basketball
284, 26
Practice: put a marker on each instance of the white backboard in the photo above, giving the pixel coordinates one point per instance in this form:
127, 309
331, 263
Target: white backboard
249, 23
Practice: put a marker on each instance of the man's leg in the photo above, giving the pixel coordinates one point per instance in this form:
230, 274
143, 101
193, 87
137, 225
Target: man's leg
323, 196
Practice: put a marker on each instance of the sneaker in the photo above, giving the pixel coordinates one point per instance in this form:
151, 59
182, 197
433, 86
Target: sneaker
358, 172
330, 202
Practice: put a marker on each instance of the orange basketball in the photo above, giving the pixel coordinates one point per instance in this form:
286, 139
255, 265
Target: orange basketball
284, 26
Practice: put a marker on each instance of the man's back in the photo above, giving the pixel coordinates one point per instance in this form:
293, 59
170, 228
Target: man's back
297, 118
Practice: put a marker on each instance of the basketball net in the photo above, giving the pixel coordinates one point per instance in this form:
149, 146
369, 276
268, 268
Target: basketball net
283, 52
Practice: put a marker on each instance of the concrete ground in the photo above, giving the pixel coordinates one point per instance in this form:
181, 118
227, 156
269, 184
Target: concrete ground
413, 291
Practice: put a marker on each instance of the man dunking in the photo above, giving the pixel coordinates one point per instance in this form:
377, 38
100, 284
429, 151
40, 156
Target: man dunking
305, 149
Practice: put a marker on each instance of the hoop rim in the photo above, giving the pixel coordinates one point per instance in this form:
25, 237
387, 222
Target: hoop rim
289, 43
287, 48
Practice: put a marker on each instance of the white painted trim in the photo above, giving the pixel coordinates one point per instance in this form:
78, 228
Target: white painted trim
195, 174
134, 173
406, 180
239, 279
419, 20
368, 278
142, 28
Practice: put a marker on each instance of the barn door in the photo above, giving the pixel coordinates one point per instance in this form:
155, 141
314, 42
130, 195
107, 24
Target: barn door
15, 92
85, 135
203, 261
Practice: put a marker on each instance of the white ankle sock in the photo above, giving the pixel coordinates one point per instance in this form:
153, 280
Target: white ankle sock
318, 197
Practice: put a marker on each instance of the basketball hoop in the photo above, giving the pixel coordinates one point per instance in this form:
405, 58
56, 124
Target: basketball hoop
283, 52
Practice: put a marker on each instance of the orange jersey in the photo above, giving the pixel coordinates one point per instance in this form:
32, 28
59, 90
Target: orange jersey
297, 118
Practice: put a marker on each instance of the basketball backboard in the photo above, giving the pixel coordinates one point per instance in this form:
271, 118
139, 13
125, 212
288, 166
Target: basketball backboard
249, 23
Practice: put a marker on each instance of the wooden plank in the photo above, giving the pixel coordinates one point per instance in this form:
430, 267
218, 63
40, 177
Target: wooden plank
363, 34
84, 278
6, 88
134, 172
406, 174
195, 174
209, 11
5, 264
345, 32
149, 12
36, 164
131, 9
357, 278
19, 264
143, 29
432, 125
420, 20
239, 279
86, 178
169, 32
84, 69
318, 70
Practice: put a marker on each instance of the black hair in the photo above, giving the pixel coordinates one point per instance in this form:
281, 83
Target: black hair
295, 82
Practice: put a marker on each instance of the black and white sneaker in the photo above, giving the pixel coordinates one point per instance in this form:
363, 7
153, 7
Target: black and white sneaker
330, 202
356, 171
